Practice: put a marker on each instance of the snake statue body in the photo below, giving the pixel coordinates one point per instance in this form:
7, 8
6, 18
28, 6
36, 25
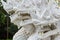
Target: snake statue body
38, 19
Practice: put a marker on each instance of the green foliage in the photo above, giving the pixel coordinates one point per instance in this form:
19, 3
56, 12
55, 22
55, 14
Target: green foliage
12, 29
2, 18
5, 25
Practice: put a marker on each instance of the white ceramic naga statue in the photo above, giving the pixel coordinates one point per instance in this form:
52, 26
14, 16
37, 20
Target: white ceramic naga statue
38, 19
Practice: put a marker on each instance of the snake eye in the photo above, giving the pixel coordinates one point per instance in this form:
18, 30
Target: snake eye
25, 16
45, 31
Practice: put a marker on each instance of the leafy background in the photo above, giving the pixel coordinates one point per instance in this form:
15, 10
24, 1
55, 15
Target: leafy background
7, 29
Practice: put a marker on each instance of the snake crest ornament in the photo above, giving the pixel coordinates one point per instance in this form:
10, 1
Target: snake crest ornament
38, 19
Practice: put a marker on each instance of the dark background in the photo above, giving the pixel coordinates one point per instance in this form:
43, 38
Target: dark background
7, 29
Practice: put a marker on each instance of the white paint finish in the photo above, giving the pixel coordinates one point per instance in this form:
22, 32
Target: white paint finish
42, 13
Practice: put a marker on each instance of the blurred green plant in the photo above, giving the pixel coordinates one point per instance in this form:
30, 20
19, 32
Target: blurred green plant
5, 25
2, 18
